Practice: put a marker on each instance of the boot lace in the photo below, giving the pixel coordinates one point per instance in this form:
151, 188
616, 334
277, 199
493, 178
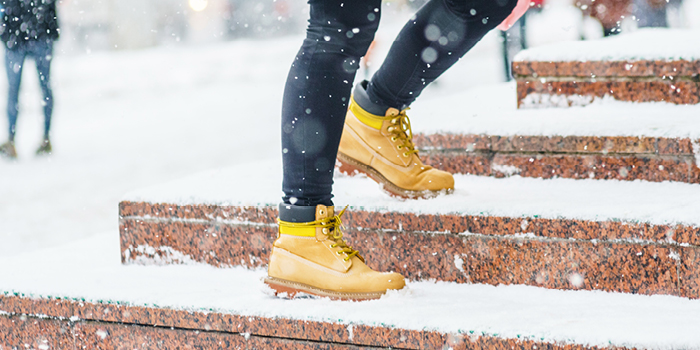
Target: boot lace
401, 131
331, 228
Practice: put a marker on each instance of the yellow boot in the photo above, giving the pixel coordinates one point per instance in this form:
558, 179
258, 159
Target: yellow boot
381, 146
310, 256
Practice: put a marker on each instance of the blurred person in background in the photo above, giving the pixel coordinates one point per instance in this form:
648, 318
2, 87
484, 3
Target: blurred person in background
367, 132
29, 28
515, 39
653, 13
609, 12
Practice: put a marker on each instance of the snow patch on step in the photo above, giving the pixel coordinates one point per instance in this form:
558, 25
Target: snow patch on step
148, 255
540, 100
696, 151
594, 200
91, 269
643, 44
507, 170
459, 263
603, 117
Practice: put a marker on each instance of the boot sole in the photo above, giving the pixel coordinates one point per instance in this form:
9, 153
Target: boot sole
351, 166
291, 289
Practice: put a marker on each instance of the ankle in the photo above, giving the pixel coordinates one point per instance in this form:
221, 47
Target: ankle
372, 106
297, 213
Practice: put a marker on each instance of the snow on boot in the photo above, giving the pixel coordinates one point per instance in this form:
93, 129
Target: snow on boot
381, 146
44, 148
311, 257
8, 150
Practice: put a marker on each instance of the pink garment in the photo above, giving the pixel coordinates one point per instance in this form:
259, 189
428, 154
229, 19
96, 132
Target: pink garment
518, 11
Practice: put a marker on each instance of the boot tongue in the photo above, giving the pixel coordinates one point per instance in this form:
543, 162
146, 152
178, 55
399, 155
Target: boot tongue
324, 212
391, 112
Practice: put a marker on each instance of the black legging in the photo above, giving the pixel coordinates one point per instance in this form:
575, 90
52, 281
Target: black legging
319, 83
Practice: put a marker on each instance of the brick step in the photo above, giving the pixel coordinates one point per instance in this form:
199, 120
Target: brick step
576, 157
623, 68
78, 296
630, 237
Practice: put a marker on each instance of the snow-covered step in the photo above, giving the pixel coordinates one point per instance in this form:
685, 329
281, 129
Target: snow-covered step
79, 296
645, 66
482, 132
576, 157
632, 237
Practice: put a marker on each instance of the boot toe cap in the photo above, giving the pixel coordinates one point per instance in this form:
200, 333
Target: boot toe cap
389, 281
438, 180
395, 281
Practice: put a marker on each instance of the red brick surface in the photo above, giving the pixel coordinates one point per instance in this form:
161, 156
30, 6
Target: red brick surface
131, 327
609, 255
675, 82
576, 157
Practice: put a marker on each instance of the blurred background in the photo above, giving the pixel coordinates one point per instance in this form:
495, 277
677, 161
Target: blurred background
148, 91
91, 25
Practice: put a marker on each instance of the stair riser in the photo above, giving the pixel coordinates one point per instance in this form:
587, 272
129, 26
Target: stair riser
622, 69
412, 222
580, 145
553, 92
649, 268
544, 84
61, 334
17, 332
111, 326
537, 165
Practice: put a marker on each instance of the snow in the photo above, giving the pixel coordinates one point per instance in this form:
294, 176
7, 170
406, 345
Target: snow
492, 110
90, 269
126, 120
644, 44
130, 119
634, 201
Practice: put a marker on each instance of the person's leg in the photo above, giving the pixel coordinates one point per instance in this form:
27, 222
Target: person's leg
650, 13
377, 138
317, 92
43, 54
505, 50
439, 35
513, 41
310, 254
14, 62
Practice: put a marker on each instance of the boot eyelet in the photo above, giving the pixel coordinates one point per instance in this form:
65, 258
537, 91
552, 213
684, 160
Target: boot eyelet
399, 146
405, 154
346, 259
322, 212
393, 138
325, 230
338, 252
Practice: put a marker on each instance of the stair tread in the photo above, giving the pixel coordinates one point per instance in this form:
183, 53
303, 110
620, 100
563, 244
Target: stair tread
644, 44
90, 269
596, 200
492, 110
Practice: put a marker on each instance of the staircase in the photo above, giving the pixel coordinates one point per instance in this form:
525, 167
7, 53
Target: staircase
570, 228
558, 234
575, 157
646, 66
